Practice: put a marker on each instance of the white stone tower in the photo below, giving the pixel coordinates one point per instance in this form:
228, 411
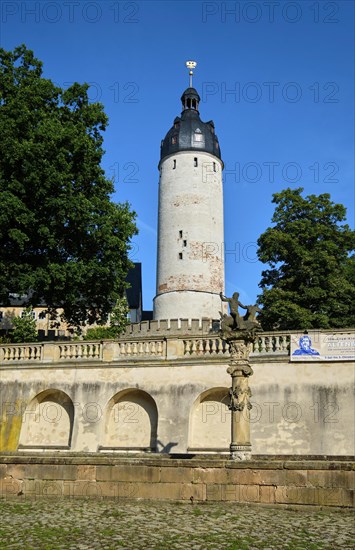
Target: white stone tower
190, 263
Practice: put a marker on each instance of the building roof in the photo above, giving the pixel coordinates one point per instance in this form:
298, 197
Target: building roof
134, 293
188, 132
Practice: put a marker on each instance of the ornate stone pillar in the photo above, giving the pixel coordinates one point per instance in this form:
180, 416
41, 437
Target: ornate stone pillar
240, 393
240, 333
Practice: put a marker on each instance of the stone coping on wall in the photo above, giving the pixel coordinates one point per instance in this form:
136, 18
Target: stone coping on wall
291, 481
322, 462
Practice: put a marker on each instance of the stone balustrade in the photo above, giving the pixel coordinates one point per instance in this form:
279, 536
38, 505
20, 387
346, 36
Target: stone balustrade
152, 340
205, 346
20, 352
86, 351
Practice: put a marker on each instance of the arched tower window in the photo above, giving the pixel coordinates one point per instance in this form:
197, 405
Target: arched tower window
190, 99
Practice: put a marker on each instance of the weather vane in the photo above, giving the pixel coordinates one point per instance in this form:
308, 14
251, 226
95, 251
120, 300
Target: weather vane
191, 65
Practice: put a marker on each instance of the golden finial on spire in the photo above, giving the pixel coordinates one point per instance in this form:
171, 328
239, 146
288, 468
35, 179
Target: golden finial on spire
191, 65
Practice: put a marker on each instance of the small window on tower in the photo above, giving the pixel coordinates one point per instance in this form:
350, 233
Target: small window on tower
174, 164
174, 140
180, 255
214, 167
195, 162
180, 234
185, 243
198, 135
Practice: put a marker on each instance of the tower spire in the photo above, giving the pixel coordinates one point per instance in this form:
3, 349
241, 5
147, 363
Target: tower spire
191, 65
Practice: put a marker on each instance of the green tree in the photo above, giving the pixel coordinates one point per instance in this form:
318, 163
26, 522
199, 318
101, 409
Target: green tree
310, 283
118, 323
62, 240
25, 329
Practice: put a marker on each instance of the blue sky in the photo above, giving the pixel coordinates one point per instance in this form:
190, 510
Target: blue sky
276, 77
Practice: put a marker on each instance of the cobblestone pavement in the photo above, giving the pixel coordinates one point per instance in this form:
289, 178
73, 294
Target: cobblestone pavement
90, 524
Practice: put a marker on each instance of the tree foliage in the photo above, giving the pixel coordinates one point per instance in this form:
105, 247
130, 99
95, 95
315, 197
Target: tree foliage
118, 323
62, 240
25, 329
311, 279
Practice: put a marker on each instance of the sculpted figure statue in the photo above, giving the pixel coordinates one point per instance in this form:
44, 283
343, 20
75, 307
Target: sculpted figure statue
236, 322
234, 303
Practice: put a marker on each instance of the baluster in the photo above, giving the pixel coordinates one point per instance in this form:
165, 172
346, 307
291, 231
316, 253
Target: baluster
134, 348
122, 348
193, 347
277, 343
146, 348
159, 348
140, 348
199, 347
213, 346
284, 343
262, 344
153, 349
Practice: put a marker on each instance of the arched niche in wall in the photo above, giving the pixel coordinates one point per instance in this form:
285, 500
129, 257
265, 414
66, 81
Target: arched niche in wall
210, 422
48, 421
131, 422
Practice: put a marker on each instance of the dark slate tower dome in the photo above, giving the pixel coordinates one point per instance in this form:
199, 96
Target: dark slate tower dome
189, 133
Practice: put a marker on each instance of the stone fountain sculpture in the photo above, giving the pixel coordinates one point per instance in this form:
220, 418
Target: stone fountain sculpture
239, 332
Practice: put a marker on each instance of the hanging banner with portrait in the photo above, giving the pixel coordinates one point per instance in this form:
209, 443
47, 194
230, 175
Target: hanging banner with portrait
322, 346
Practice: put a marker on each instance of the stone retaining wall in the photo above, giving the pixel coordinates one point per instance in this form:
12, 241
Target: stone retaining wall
260, 481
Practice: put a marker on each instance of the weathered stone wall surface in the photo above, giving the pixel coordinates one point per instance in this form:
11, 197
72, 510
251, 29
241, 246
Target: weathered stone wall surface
190, 265
165, 389
273, 482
